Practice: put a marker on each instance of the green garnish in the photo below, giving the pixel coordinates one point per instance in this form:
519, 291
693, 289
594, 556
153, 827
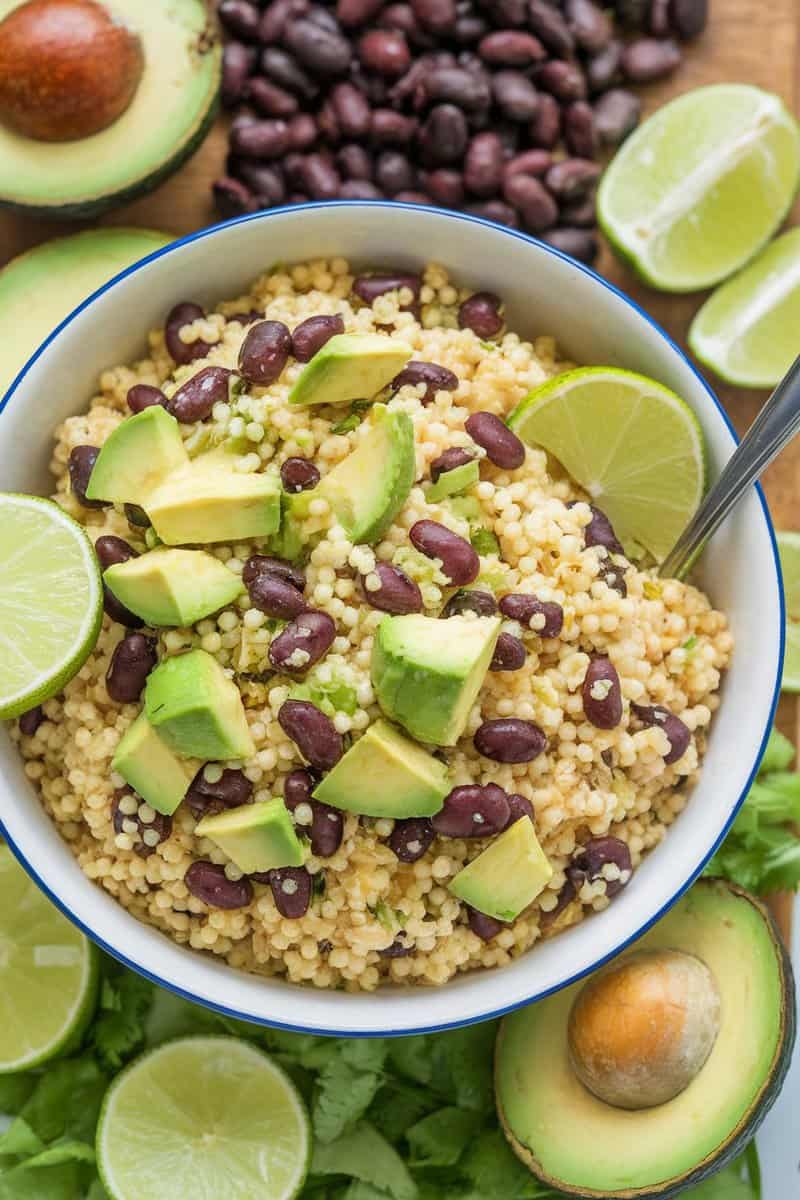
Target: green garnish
484, 542
353, 418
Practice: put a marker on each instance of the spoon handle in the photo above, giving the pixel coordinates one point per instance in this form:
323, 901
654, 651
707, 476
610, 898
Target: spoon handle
773, 428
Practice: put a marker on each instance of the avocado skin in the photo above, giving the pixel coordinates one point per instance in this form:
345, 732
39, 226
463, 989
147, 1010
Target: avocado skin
741, 1136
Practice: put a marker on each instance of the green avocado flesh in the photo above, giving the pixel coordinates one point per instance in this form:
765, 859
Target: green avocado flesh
142, 451
350, 366
450, 483
40, 288
578, 1143
173, 587
196, 709
146, 762
256, 837
507, 876
384, 774
427, 672
208, 501
169, 114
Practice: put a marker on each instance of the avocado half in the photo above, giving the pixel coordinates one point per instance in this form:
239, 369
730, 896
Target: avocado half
585, 1147
169, 115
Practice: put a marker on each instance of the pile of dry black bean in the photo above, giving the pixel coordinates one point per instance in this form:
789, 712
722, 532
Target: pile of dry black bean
497, 107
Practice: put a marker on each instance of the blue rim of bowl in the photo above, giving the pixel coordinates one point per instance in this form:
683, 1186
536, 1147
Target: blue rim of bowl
494, 1014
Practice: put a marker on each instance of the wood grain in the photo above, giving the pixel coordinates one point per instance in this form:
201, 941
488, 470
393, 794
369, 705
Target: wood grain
747, 41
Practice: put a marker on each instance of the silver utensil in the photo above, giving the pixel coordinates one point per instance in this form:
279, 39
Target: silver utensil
773, 428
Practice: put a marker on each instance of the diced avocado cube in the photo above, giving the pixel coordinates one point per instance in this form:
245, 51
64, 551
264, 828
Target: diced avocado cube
211, 502
369, 487
350, 366
173, 587
286, 542
450, 483
427, 672
146, 762
256, 837
197, 709
141, 453
507, 876
385, 774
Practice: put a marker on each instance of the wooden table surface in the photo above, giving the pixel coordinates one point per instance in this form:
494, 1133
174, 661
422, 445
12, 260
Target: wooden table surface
747, 41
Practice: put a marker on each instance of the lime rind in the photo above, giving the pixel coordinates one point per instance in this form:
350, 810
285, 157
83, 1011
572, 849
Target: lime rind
687, 211
196, 1112
36, 984
51, 601
789, 553
631, 443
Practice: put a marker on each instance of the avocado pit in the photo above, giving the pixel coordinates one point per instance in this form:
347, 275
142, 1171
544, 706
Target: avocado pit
68, 68
641, 1031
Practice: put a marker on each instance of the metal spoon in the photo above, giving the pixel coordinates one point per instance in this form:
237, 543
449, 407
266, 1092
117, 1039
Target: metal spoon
773, 428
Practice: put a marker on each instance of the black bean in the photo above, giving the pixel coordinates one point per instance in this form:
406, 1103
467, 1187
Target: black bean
633, 13
232, 197
602, 696
238, 62
507, 12
411, 838
448, 460
483, 164
297, 788
532, 199
688, 17
509, 654
302, 131
678, 735
293, 167
110, 550
30, 721
276, 15
231, 790
613, 576
444, 136
470, 600
142, 396
384, 51
402, 17
258, 564
355, 163
602, 69
182, 352
459, 561
268, 138
548, 24
529, 162
436, 15
239, 16
579, 130
266, 182
299, 474
501, 444
326, 52
389, 128
579, 214
271, 99
393, 172
291, 890
525, 608
469, 27
285, 70
323, 17
577, 243
589, 860
600, 531
510, 740
519, 807
327, 829
435, 377
545, 128
359, 189
320, 178
308, 638
80, 466
357, 12
264, 352
160, 825
659, 18
484, 926
648, 59
590, 25
564, 80
312, 732
453, 85
137, 517
515, 95
472, 811
369, 287
572, 177
565, 898
132, 661
615, 115
511, 48
352, 110
397, 593
481, 313
275, 596
208, 882
195, 399
445, 187
401, 947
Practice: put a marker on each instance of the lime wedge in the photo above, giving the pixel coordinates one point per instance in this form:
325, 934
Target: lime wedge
51, 601
632, 444
701, 185
48, 974
789, 551
203, 1116
747, 329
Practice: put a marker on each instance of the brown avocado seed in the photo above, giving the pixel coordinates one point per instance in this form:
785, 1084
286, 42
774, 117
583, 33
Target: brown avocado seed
68, 68
640, 1031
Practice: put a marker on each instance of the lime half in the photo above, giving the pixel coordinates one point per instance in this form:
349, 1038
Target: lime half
747, 330
51, 601
48, 974
701, 185
203, 1116
629, 442
789, 551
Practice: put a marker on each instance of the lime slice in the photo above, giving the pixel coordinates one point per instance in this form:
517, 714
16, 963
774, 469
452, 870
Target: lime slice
789, 551
747, 330
48, 974
701, 185
632, 444
51, 601
203, 1116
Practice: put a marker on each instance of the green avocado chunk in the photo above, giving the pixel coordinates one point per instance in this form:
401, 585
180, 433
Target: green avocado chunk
579, 1144
197, 709
146, 762
173, 587
427, 672
142, 451
208, 501
507, 876
169, 115
450, 483
350, 366
256, 837
368, 488
385, 774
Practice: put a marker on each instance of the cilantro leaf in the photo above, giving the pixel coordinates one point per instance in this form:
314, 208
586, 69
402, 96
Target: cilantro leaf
440, 1139
344, 1095
66, 1101
65, 1182
20, 1141
778, 754
364, 1155
496, 1174
469, 1054
119, 1030
399, 1105
14, 1091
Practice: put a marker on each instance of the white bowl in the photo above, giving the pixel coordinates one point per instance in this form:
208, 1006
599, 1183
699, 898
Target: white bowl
545, 293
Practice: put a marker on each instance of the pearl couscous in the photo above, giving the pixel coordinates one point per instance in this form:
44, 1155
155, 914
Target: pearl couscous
358, 914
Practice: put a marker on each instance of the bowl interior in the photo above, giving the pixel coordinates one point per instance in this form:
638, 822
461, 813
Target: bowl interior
545, 294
